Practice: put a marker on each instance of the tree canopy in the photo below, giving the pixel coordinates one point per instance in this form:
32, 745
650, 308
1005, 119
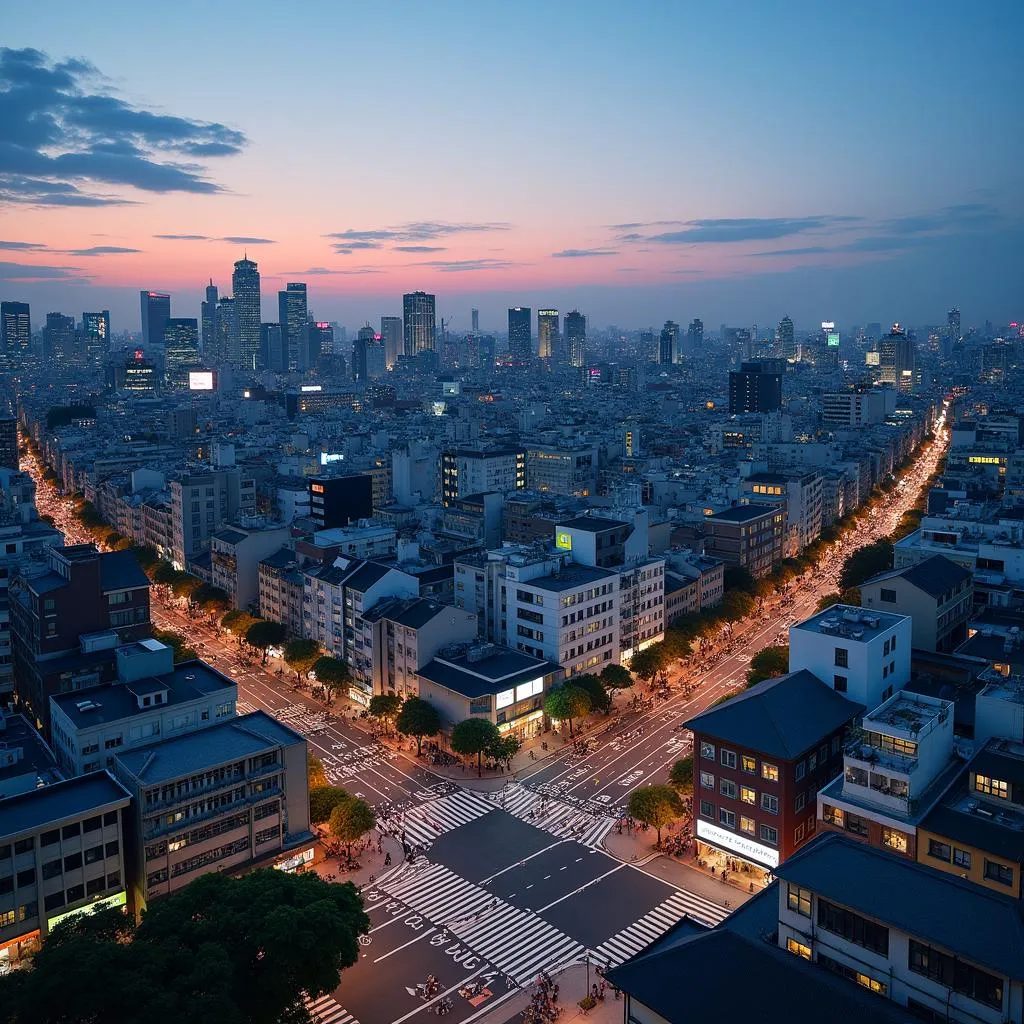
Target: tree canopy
566, 703
646, 664
474, 736
323, 799
385, 707
418, 718
600, 699
865, 562
235, 950
331, 673
768, 663
655, 806
350, 820
264, 634
237, 621
615, 677
301, 655
315, 773
681, 774
176, 642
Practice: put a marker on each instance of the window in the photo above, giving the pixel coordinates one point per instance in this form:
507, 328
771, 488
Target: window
748, 764
798, 900
94, 854
707, 780
852, 927
26, 878
842, 657
801, 770
770, 835
728, 758
800, 803
798, 835
769, 772
6, 885
961, 858
892, 646
747, 825
940, 851
24, 845
840, 684
845, 971
6, 918
113, 879
769, 803
888, 596
72, 861
955, 974
895, 840
707, 750
94, 886
49, 838
833, 815
994, 872
707, 809
857, 825
727, 788
91, 824
112, 848
110, 818
726, 817
70, 831
812, 762
51, 869
54, 901
835, 744
748, 795
798, 948
991, 787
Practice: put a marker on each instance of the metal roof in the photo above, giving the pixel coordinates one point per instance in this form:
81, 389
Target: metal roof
49, 806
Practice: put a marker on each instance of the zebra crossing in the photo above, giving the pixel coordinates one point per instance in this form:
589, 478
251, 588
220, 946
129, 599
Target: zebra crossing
517, 942
423, 825
554, 816
326, 1011
655, 923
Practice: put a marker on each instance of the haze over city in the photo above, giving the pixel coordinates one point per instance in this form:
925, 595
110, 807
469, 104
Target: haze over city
734, 162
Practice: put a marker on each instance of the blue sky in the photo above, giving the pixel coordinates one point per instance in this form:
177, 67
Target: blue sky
734, 160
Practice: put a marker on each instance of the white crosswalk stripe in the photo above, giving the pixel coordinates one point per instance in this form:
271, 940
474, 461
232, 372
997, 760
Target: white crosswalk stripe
326, 1010
656, 922
560, 819
424, 824
517, 942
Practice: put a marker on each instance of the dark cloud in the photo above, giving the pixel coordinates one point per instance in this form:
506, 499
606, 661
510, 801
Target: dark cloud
22, 246
64, 134
633, 225
807, 250
959, 217
28, 272
309, 272
246, 240
417, 231
420, 248
582, 253
184, 238
99, 250
740, 229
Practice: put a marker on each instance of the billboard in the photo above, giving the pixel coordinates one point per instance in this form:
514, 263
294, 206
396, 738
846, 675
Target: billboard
119, 899
306, 388
201, 380
326, 458
832, 339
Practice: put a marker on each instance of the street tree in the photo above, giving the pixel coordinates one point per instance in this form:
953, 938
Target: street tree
566, 703
768, 663
646, 664
681, 774
656, 806
186, 585
265, 634
385, 707
315, 774
615, 677
332, 674
474, 736
210, 599
865, 562
350, 821
301, 655
504, 749
600, 698
164, 573
418, 718
676, 645
323, 799
237, 622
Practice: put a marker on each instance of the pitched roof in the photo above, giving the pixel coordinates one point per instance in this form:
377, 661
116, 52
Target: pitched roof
933, 575
782, 717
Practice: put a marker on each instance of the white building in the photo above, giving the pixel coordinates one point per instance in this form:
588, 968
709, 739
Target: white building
478, 470
363, 541
235, 554
201, 503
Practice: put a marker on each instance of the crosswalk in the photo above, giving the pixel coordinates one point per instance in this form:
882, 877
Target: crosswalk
655, 923
517, 942
423, 825
326, 1010
554, 816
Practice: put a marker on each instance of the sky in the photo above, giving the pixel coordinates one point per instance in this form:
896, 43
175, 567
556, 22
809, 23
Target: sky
734, 161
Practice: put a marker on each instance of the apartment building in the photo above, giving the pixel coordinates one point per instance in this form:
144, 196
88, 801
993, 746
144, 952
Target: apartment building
800, 494
570, 471
751, 536
466, 471
219, 799
235, 555
281, 586
201, 503
361, 541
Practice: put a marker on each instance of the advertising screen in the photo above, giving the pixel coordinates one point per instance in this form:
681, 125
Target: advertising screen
200, 380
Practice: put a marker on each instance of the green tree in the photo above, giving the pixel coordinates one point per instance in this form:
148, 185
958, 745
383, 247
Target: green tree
418, 718
736, 605
210, 599
600, 699
738, 578
646, 664
865, 562
656, 806
676, 645
566, 703
176, 642
385, 707
265, 634
504, 749
315, 774
474, 736
186, 585
681, 774
615, 677
332, 674
350, 821
237, 622
323, 800
164, 573
301, 655
768, 663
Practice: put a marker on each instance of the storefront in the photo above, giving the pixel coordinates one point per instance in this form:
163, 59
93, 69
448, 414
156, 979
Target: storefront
725, 851
525, 727
296, 863
14, 950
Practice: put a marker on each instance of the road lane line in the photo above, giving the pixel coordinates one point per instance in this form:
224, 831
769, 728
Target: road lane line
404, 944
586, 885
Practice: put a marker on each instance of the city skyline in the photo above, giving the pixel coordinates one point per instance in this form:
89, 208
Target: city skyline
842, 177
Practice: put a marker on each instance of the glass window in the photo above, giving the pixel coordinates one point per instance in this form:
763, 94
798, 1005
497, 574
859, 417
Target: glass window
727, 788
842, 657
707, 780
895, 840
70, 831
726, 817
798, 900
800, 803
961, 858
769, 803
110, 818
728, 758
91, 824
94, 854
857, 825
707, 809
747, 825
748, 795
707, 750
939, 850
991, 787
798, 948
889, 596
955, 974
770, 835
852, 927
51, 869
840, 684
72, 861
996, 872
749, 764
49, 838
769, 772
801, 770
24, 845
812, 762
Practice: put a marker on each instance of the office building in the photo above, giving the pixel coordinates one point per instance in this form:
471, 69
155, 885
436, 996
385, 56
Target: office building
520, 339
340, 500
575, 337
570, 471
467, 471
799, 493
203, 502
755, 387
59, 337
292, 315
896, 360
364, 337
695, 336
474, 319
138, 375
668, 343
273, 351
751, 536
391, 335
320, 340
96, 335
220, 799
547, 333
848, 409
419, 311
9, 458
245, 283
953, 323
155, 309
208, 321
226, 333
786, 340
15, 328
181, 350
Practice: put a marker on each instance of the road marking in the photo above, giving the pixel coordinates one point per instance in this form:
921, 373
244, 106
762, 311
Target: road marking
422, 935
586, 885
441, 995
520, 863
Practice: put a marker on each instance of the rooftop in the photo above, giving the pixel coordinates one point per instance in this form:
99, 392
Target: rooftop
485, 669
23, 752
595, 524
851, 623
935, 575
569, 578
911, 713
50, 805
743, 513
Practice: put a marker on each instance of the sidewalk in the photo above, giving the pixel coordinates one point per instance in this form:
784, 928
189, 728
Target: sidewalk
371, 863
572, 985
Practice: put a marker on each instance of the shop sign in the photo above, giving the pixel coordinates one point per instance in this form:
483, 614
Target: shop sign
745, 848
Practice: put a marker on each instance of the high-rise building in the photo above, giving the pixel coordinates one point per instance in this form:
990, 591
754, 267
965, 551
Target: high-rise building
647, 348
292, 314
363, 338
896, 358
208, 314
273, 352
155, 309
59, 337
787, 342
695, 335
391, 334
8, 460
226, 334
96, 333
474, 318
15, 327
953, 320
520, 339
419, 315
755, 387
547, 332
320, 340
181, 350
245, 283
576, 337
668, 343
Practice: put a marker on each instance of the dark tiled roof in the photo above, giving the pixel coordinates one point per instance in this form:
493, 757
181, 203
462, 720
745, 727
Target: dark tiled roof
594, 524
960, 917
76, 797
367, 575
743, 513
782, 717
120, 570
501, 670
230, 536
933, 575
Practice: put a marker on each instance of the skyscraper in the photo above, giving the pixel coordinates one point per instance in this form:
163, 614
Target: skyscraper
292, 314
96, 332
576, 337
474, 318
755, 387
319, 339
209, 320
181, 350
59, 337
245, 283
547, 332
15, 327
419, 315
896, 359
225, 329
787, 342
363, 338
273, 353
520, 339
155, 309
695, 335
953, 320
668, 343
391, 333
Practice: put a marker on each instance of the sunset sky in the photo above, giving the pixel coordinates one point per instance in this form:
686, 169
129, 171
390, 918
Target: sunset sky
733, 160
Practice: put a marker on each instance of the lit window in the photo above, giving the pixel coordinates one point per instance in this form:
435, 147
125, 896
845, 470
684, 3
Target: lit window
748, 795
749, 764
747, 825
799, 900
769, 772
991, 787
798, 948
